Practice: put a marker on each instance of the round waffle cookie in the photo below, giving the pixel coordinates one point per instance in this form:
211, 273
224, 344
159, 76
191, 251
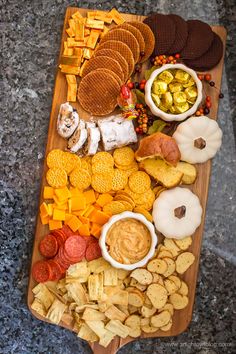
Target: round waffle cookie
200, 37
122, 48
181, 34
164, 30
126, 37
137, 34
209, 59
118, 79
103, 62
117, 56
148, 36
98, 93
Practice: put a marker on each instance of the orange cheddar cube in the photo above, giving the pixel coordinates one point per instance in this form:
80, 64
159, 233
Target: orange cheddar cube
99, 217
61, 206
44, 219
68, 216
84, 220
50, 209
96, 230
77, 212
74, 223
48, 192
44, 209
76, 14
74, 192
88, 211
104, 199
59, 215
97, 206
69, 205
54, 224
90, 196
84, 230
78, 203
62, 194
116, 17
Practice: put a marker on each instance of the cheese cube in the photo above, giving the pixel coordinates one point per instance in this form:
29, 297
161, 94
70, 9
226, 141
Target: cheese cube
74, 192
99, 217
44, 219
54, 224
88, 211
90, 196
44, 209
104, 199
50, 209
68, 216
62, 194
84, 230
78, 203
96, 230
59, 214
74, 223
84, 220
48, 192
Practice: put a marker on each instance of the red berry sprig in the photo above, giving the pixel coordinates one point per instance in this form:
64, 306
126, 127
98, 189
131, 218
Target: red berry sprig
160, 60
205, 109
144, 121
207, 78
137, 85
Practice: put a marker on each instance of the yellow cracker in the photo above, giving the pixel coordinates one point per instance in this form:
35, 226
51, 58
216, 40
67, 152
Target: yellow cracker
125, 199
124, 156
56, 177
54, 158
119, 180
144, 212
101, 182
104, 157
70, 162
101, 167
127, 205
146, 200
80, 178
139, 182
131, 170
114, 207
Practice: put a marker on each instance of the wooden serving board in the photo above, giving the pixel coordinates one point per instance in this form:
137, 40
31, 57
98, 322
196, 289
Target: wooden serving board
183, 317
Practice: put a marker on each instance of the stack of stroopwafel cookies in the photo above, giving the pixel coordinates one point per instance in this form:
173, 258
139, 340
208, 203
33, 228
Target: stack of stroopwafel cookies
112, 65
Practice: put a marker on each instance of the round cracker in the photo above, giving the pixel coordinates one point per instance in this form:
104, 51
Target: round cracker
102, 98
80, 178
104, 157
56, 177
54, 158
119, 180
122, 48
139, 182
124, 156
103, 62
114, 54
114, 208
125, 37
137, 34
101, 182
70, 161
148, 36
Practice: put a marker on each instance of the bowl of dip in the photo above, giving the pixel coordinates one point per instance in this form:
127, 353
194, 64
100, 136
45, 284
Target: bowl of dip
128, 240
173, 92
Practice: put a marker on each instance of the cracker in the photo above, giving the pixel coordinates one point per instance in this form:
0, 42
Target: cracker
139, 182
119, 180
148, 36
114, 208
101, 182
80, 178
124, 156
102, 99
128, 206
117, 56
101, 167
56, 177
70, 162
108, 71
144, 212
122, 48
103, 62
104, 157
125, 37
54, 158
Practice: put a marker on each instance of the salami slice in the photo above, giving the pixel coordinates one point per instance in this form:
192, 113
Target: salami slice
60, 236
48, 247
93, 251
62, 259
74, 248
41, 271
67, 231
56, 272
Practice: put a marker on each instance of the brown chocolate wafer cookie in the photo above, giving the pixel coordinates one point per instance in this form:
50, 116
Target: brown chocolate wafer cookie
181, 34
117, 56
209, 59
103, 62
164, 30
200, 37
148, 36
123, 49
108, 71
137, 34
98, 93
126, 37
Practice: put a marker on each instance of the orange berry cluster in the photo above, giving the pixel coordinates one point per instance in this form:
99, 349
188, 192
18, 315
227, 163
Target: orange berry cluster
163, 59
144, 121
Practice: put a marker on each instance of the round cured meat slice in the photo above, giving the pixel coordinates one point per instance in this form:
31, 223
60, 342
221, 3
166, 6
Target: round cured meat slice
67, 231
60, 236
93, 251
41, 271
56, 270
48, 247
75, 247
200, 37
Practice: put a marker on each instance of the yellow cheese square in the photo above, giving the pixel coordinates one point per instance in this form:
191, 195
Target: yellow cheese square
74, 223
44, 209
48, 192
75, 192
44, 219
68, 216
62, 194
61, 206
88, 211
104, 199
84, 230
59, 215
99, 217
96, 230
54, 224
76, 14
78, 203
116, 16
90, 196
50, 209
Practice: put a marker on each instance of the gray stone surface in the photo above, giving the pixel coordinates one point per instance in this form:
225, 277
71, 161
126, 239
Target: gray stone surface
30, 38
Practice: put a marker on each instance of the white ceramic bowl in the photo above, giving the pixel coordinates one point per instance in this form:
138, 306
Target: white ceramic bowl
167, 116
106, 227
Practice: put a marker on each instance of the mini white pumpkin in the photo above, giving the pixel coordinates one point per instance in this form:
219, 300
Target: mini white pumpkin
198, 139
177, 213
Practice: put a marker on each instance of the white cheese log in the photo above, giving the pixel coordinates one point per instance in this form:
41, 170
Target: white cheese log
67, 120
93, 140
